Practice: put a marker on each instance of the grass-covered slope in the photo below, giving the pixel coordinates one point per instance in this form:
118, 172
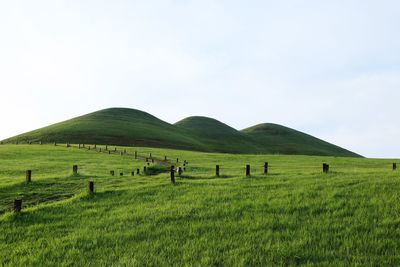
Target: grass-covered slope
279, 139
122, 126
218, 136
116, 126
294, 216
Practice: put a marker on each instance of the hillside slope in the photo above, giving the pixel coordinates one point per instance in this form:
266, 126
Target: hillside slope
280, 139
122, 126
218, 136
114, 126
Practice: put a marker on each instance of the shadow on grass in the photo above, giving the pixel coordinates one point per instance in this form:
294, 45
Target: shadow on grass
29, 215
42, 191
190, 177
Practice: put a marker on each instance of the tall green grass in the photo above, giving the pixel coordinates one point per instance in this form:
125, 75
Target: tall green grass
295, 215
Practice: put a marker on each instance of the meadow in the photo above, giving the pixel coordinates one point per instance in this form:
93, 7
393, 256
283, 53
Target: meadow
294, 215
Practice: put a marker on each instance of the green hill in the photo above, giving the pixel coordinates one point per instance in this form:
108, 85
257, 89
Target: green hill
280, 139
218, 136
122, 126
114, 126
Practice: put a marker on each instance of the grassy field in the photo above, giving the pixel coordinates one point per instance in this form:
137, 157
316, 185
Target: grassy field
295, 215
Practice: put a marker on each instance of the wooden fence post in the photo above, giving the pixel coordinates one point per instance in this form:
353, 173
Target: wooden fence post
179, 171
217, 170
172, 174
247, 170
75, 169
135, 154
28, 176
165, 158
144, 170
266, 168
325, 168
91, 187
137, 171
394, 166
17, 205
112, 173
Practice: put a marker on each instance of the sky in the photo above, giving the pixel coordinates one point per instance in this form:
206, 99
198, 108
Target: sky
328, 68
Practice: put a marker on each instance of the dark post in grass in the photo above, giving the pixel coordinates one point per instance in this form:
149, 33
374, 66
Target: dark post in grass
112, 173
75, 169
147, 159
149, 155
247, 170
109, 152
115, 149
28, 176
121, 153
133, 173
121, 174
165, 158
394, 166
265, 167
95, 146
79, 146
124, 151
152, 160
179, 171
325, 168
100, 149
91, 187
144, 170
55, 143
172, 174
217, 170
137, 171
106, 147
17, 205
135, 154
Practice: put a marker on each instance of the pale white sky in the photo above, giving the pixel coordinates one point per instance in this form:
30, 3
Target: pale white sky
328, 68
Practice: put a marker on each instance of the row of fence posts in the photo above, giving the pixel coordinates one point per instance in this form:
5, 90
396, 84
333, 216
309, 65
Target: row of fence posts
18, 202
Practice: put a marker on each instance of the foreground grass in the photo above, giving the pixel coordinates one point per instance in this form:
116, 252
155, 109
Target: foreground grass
294, 215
